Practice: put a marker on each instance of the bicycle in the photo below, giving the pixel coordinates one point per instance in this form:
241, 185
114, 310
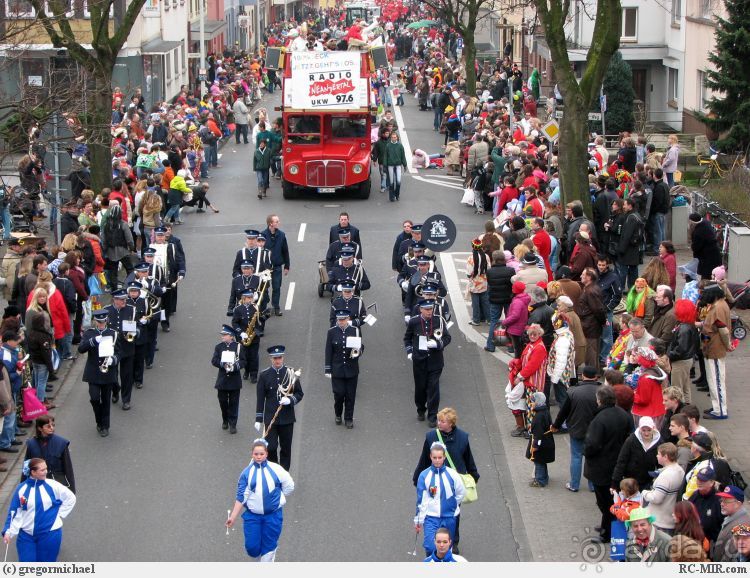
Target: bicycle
713, 165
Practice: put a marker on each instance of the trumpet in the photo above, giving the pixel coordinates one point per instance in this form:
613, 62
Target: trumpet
105, 365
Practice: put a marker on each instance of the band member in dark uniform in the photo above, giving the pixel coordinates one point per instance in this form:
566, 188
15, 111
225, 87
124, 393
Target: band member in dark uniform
279, 390
253, 251
430, 293
153, 291
123, 319
354, 305
100, 372
174, 270
244, 315
334, 249
425, 338
228, 360
141, 341
241, 283
418, 279
343, 349
348, 270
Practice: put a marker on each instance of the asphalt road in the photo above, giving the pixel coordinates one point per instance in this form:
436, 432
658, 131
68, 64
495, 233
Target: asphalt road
159, 487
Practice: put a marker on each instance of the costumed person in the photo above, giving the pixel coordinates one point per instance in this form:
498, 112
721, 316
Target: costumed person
648, 381
36, 514
229, 360
440, 492
343, 349
640, 302
261, 490
532, 373
278, 391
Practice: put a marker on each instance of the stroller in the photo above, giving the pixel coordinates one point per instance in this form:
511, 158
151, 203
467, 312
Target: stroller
741, 294
20, 205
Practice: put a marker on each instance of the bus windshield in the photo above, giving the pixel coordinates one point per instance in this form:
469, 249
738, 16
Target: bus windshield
303, 129
349, 126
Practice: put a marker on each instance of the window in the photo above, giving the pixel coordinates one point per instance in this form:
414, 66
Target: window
87, 12
706, 9
66, 5
703, 92
19, 9
177, 60
167, 66
676, 11
303, 129
629, 24
672, 87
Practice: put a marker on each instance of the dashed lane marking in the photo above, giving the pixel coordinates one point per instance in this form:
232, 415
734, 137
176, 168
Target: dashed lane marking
289, 297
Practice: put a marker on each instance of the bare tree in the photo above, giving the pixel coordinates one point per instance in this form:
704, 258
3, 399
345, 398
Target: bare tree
578, 96
98, 62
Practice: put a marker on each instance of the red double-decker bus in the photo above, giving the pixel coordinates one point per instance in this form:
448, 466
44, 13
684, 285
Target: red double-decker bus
326, 109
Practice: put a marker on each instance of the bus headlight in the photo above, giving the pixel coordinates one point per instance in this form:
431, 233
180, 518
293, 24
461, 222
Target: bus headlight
293, 169
357, 169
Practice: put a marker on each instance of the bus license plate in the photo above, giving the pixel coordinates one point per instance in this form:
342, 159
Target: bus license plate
326, 189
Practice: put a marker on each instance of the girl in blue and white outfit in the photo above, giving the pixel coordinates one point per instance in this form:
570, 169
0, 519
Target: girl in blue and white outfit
36, 514
440, 491
262, 490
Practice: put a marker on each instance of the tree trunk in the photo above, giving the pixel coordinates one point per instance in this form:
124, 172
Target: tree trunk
98, 135
573, 157
470, 55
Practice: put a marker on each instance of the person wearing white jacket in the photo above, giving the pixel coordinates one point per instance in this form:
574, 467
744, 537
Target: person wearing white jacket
661, 499
37, 509
561, 364
440, 492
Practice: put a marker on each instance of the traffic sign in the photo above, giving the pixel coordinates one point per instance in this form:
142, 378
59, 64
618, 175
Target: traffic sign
595, 116
551, 130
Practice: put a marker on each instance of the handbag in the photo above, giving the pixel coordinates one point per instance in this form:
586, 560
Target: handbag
470, 483
95, 287
32, 407
468, 198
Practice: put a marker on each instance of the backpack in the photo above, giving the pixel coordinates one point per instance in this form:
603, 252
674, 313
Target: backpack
639, 236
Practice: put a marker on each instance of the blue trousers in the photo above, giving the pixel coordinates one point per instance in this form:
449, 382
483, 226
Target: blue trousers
540, 473
576, 461
262, 532
430, 527
40, 547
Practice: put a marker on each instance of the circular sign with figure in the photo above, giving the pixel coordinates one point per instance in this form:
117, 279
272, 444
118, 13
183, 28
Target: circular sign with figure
438, 233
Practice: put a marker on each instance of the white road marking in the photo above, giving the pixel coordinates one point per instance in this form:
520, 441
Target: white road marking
289, 297
460, 310
440, 184
219, 155
301, 234
404, 137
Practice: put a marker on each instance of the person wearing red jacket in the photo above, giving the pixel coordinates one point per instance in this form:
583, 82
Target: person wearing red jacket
648, 400
543, 243
55, 303
508, 194
537, 208
533, 371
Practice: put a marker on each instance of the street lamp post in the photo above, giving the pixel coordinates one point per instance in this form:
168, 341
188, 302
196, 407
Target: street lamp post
202, 33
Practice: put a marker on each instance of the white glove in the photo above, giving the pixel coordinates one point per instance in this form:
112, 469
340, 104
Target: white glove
432, 344
143, 321
349, 323
285, 401
327, 376
408, 356
406, 318
339, 288
98, 338
259, 426
404, 286
243, 335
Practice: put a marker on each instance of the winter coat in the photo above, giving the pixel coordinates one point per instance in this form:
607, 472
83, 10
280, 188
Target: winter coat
705, 248
663, 323
262, 159
657, 550
479, 153
240, 111
68, 224
579, 408
725, 549
453, 153
609, 283
500, 284
542, 442
58, 311
40, 340
709, 510
518, 314
647, 400
584, 256
117, 248
669, 162
604, 438
530, 275
629, 243
92, 247
636, 459
541, 313
684, 343
663, 497
591, 311
670, 263
394, 155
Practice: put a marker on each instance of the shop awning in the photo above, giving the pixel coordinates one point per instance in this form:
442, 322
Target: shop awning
211, 29
159, 46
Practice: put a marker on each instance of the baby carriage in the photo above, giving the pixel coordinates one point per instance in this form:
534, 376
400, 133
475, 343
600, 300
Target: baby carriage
741, 301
